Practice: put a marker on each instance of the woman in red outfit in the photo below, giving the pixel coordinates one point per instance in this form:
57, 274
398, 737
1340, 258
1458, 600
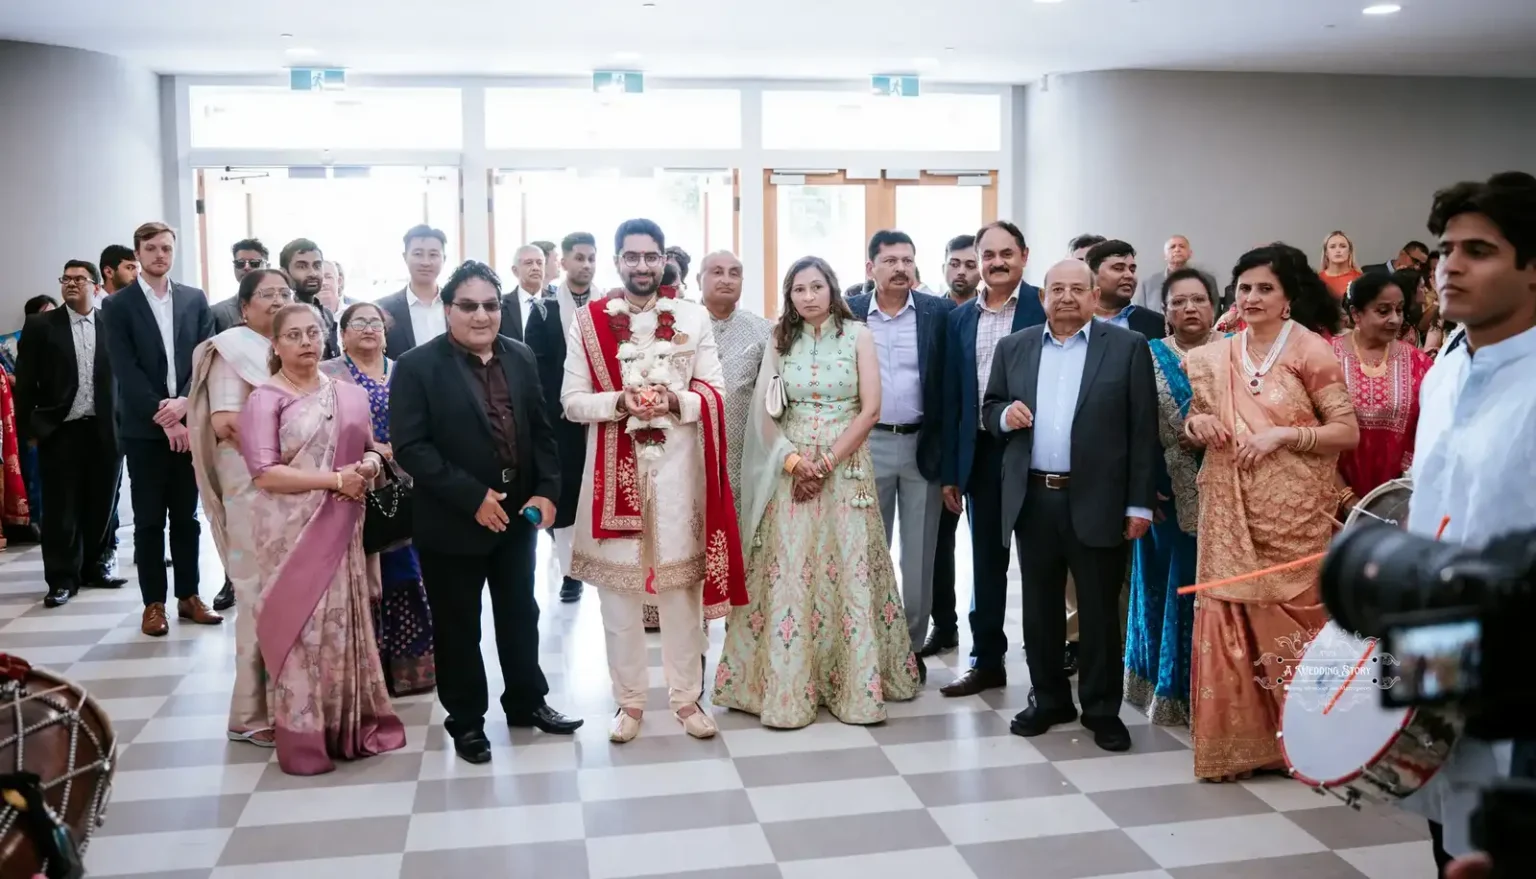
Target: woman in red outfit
1383, 374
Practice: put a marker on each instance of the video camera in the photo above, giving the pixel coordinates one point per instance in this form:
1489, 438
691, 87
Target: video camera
1454, 621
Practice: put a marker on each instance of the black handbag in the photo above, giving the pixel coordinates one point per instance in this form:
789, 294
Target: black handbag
387, 518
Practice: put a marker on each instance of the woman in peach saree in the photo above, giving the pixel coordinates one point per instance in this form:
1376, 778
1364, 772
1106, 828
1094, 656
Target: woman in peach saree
1272, 412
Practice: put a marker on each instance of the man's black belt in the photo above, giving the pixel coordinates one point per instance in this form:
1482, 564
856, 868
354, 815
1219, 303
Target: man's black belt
508, 475
899, 429
1052, 481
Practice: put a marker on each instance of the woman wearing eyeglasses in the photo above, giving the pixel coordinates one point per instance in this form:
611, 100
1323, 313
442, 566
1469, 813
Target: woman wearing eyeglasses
308, 443
225, 369
402, 622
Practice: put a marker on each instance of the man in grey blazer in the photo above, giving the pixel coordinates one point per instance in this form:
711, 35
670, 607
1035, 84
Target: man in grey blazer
1075, 405
249, 255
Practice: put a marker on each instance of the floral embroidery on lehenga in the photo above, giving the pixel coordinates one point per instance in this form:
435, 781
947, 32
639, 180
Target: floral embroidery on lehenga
821, 572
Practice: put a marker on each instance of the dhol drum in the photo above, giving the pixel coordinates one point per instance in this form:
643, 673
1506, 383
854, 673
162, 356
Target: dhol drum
1386, 503
1336, 736
57, 755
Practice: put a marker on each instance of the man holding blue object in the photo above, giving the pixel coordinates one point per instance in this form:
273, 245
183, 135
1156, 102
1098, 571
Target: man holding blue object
469, 426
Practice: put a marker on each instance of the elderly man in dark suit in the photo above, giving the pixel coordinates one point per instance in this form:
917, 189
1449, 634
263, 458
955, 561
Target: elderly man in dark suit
64, 404
972, 460
905, 444
152, 327
468, 421
417, 310
1074, 406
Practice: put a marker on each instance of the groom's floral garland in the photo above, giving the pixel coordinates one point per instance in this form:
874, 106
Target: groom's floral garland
644, 372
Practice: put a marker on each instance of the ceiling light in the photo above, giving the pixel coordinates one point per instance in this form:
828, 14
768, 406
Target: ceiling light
286, 36
647, 5
1382, 9
301, 51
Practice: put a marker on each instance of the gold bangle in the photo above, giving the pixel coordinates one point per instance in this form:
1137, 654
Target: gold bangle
338, 480
791, 462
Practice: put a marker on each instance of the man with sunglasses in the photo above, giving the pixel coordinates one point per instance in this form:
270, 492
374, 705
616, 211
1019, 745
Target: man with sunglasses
655, 522
468, 421
249, 255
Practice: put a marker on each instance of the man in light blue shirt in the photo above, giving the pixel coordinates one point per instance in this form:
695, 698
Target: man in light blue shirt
1475, 449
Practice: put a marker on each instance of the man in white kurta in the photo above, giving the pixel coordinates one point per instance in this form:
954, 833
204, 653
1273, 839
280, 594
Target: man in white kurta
664, 560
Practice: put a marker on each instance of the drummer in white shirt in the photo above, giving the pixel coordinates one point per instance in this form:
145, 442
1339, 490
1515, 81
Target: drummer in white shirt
1476, 440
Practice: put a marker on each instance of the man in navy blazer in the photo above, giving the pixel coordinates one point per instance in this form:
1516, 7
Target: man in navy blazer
905, 445
972, 461
151, 329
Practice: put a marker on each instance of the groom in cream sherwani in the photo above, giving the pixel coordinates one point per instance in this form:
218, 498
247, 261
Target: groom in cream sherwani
655, 520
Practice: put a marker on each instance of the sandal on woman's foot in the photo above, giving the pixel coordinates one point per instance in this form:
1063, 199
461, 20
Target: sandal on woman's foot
698, 724
261, 738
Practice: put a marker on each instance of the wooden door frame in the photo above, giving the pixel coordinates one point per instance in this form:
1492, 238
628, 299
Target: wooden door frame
879, 213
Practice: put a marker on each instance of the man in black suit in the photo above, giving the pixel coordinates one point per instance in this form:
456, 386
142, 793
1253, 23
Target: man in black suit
1414, 256
1074, 405
905, 447
1113, 264
468, 421
416, 309
151, 329
64, 405
520, 303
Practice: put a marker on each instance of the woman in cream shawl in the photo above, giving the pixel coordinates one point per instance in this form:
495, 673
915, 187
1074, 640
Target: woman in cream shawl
225, 369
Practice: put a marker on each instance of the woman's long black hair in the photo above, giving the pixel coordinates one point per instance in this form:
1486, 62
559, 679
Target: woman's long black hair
1312, 305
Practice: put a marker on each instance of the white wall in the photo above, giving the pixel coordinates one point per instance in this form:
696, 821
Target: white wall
80, 148
1238, 160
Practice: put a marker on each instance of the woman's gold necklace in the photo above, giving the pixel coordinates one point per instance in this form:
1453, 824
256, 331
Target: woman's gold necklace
283, 373
1370, 370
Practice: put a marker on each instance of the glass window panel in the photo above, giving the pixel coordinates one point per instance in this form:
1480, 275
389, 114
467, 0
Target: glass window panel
357, 219
264, 117
529, 118
809, 120
933, 215
824, 221
548, 205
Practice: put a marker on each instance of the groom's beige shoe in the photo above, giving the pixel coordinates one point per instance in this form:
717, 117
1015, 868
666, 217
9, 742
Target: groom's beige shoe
698, 724
624, 729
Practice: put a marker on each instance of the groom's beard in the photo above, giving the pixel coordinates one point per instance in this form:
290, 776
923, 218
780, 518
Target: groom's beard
651, 285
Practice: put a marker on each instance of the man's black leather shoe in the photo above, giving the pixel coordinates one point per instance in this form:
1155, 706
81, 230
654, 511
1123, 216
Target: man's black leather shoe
939, 642
473, 746
546, 719
57, 595
1109, 733
570, 591
226, 597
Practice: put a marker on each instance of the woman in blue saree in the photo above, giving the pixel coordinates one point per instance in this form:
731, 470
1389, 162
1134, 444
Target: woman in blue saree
1159, 634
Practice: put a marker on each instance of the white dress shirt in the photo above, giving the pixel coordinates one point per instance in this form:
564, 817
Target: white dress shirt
1474, 461
427, 318
528, 301
82, 329
164, 310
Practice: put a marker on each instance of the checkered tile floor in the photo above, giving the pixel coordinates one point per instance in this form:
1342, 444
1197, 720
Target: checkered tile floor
941, 791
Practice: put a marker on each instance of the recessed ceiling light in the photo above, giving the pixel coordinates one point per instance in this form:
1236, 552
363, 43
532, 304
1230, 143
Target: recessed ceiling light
647, 5
1382, 9
286, 36
301, 51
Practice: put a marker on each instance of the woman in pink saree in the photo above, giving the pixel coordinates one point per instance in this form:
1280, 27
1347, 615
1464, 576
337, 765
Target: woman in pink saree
1272, 412
306, 440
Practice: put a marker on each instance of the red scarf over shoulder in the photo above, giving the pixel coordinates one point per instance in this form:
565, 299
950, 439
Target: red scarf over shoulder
616, 488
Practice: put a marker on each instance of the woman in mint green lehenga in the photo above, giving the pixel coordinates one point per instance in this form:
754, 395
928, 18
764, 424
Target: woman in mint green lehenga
824, 623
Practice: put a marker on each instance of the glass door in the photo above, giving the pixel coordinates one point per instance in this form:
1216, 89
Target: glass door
356, 214
695, 209
933, 210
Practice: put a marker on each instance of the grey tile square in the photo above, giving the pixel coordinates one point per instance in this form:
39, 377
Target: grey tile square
185, 755
1347, 828
380, 769
757, 871
1072, 856
194, 705
669, 813
651, 749
182, 813
1077, 744
129, 607
319, 839
414, 713
9, 576
496, 791
989, 785
156, 649
1322, 865
566, 860
939, 727
19, 641
813, 766
1167, 804
853, 835
133, 688
127, 730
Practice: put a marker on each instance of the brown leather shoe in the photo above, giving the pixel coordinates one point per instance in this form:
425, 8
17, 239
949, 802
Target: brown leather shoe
154, 624
193, 609
975, 681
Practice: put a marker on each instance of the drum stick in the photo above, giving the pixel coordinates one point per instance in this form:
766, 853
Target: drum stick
1370, 648
1228, 581
1440, 532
